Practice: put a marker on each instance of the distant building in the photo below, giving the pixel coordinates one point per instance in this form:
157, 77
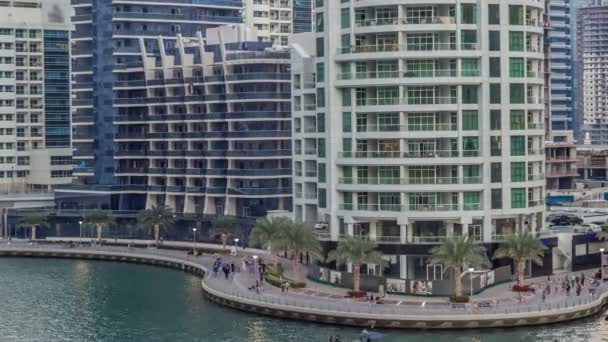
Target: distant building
273, 19
560, 163
35, 151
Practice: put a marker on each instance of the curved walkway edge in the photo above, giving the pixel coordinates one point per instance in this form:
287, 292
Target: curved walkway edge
257, 304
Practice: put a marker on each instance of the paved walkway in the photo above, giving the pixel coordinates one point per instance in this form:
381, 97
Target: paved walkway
323, 297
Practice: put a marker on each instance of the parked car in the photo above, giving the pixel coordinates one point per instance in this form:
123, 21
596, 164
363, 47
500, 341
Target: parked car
590, 227
563, 219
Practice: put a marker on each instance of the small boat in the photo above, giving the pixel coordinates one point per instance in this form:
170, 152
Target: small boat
370, 336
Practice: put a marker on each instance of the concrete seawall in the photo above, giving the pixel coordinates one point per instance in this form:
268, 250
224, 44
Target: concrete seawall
258, 305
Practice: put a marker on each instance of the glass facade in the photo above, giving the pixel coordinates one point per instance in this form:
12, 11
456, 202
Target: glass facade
57, 88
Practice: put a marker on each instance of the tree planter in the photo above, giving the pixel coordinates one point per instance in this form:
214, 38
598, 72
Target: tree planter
357, 294
459, 299
520, 288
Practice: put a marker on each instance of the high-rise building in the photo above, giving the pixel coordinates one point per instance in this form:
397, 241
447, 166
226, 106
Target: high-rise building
558, 54
428, 123
302, 16
592, 49
168, 113
273, 19
35, 149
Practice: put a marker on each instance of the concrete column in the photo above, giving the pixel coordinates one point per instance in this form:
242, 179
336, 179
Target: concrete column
209, 208
373, 226
532, 224
188, 204
410, 232
230, 207
403, 233
465, 229
350, 229
403, 266
449, 229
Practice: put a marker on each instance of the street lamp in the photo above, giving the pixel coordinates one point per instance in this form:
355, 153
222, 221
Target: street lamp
80, 232
471, 269
236, 243
601, 264
194, 242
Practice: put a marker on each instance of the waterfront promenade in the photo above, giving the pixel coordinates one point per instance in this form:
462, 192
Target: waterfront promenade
326, 304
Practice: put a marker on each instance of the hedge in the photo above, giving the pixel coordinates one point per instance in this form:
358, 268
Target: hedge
276, 278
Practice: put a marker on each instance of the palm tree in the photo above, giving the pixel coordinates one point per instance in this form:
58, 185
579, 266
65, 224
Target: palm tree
267, 234
157, 218
357, 251
99, 218
224, 226
456, 252
296, 239
33, 220
519, 247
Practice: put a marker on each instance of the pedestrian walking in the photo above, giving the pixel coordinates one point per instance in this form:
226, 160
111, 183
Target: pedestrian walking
583, 279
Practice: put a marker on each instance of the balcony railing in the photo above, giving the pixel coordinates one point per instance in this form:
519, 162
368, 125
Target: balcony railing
408, 74
410, 181
411, 154
408, 128
412, 207
405, 21
422, 47
392, 101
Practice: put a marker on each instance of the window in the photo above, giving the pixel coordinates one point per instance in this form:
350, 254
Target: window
496, 198
470, 174
61, 160
469, 39
494, 40
517, 93
494, 93
346, 98
518, 145
320, 122
470, 146
320, 47
495, 120
516, 67
319, 22
470, 67
469, 120
496, 172
321, 148
468, 14
347, 145
471, 200
518, 198
469, 94
347, 122
320, 72
322, 197
494, 66
345, 18
518, 172
493, 14
516, 15
320, 97
321, 173
516, 41
517, 120
495, 146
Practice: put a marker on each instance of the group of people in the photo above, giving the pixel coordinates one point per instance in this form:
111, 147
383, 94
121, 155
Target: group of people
569, 285
223, 268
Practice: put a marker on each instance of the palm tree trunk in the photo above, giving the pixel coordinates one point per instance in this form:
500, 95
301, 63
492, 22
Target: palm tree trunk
98, 232
457, 282
33, 228
276, 263
520, 271
224, 240
156, 233
356, 277
296, 269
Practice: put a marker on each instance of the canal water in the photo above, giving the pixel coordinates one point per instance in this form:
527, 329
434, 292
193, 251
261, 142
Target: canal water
71, 300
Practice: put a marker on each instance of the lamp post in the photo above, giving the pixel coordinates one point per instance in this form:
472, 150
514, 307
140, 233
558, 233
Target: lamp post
471, 278
194, 241
601, 264
80, 232
236, 243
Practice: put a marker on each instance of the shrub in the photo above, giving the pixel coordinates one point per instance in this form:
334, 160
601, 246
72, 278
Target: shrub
276, 278
459, 299
520, 288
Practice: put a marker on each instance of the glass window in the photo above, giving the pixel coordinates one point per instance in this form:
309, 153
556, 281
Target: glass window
469, 94
469, 39
320, 122
470, 120
496, 172
345, 40
496, 198
470, 146
494, 66
516, 67
319, 22
320, 72
470, 67
345, 71
471, 200
322, 193
495, 146
518, 120
320, 97
347, 145
495, 120
516, 41
346, 98
320, 47
347, 122
516, 15
468, 14
518, 172
518, 198
518, 145
517, 93
345, 18
495, 93
494, 40
321, 173
470, 174
321, 148
493, 14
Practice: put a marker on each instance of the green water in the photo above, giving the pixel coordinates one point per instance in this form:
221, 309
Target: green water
71, 300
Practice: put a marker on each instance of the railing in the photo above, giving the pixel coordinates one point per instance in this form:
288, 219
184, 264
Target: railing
405, 21
409, 181
412, 154
411, 207
408, 128
422, 47
536, 177
392, 101
408, 74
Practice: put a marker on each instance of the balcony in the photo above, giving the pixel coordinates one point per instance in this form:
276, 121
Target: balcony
393, 101
433, 127
422, 47
413, 207
433, 73
410, 181
412, 154
405, 21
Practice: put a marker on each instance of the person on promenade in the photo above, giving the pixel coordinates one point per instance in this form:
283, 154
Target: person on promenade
583, 279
